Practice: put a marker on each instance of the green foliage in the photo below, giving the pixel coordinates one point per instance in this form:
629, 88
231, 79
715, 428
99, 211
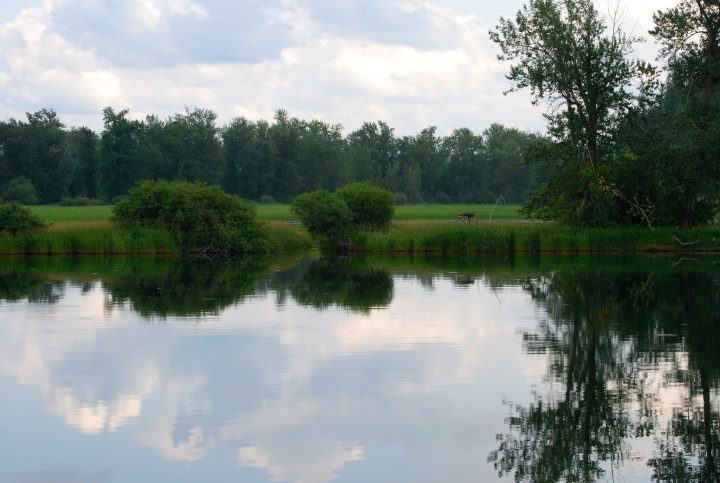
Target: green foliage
16, 219
400, 198
197, 216
324, 215
21, 189
686, 151
590, 101
259, 160
371, 207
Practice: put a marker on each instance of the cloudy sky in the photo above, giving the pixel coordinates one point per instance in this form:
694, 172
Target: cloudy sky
410, 63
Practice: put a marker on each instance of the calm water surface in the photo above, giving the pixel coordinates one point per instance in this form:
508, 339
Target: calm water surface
372, 369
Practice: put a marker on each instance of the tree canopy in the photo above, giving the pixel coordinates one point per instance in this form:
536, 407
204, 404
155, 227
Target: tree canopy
577, 62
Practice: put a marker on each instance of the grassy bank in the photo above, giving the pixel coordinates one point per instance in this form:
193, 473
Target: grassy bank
86, 230
88, 237
104, 238
529, 237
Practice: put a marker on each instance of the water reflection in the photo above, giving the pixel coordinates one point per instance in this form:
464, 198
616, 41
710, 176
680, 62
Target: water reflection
370, 369
619, 347
344, 283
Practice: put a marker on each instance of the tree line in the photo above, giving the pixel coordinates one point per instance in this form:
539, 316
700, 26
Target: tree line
41, 161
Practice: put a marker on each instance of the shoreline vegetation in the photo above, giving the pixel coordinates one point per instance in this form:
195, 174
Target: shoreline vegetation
89, 231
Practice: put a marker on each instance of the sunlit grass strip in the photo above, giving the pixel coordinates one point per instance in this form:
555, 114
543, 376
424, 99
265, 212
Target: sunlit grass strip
55, 214
528, 237
431, 211
281, 212
89, 238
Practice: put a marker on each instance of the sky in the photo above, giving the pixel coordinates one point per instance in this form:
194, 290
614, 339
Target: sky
409, 63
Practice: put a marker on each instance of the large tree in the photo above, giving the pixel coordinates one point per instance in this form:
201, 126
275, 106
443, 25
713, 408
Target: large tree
689, 158
578, 62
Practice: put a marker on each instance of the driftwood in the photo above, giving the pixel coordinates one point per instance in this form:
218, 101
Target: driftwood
211, 252
347, 246
684, 243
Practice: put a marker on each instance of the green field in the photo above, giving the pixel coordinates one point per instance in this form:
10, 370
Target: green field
55, 214
450, 212
281, 212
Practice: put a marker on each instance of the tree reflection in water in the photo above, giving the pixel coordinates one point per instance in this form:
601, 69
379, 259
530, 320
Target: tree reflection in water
601, 335
192, 287
350, 284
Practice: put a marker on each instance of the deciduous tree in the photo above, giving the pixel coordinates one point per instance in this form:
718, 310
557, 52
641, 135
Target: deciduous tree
577, 62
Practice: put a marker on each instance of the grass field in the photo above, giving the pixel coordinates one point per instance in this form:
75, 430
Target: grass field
55, 214
281, 212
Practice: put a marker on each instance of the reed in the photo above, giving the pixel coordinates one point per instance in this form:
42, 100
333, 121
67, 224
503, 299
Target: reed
101, 237
88, 238
529, 237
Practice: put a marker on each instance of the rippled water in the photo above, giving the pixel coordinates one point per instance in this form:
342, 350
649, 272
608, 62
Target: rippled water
397, 370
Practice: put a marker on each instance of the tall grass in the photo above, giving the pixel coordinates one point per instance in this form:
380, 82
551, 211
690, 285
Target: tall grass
106, 238
88, 238
515, 237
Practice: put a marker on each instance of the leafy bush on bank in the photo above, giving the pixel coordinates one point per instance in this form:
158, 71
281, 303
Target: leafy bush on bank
197, 216
371, 207
16, 219
325, 216
332, 217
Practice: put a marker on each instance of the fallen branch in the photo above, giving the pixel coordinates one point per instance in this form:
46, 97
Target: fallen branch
684, 243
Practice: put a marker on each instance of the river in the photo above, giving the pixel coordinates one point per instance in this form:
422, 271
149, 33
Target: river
382, 369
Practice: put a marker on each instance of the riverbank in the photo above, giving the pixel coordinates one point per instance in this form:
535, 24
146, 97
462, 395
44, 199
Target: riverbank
105, 238
533, 237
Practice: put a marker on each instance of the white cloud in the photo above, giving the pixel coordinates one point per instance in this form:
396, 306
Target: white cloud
411, 63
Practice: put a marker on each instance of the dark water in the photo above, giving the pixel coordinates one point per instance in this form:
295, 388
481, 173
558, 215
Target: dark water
364, 370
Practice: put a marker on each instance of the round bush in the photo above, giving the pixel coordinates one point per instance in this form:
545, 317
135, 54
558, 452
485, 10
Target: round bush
16, 219
324, 215
197, 216
371, 207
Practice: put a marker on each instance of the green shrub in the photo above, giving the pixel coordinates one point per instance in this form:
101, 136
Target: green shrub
21, 190
325, 216
197, 216
371, 207
16, 219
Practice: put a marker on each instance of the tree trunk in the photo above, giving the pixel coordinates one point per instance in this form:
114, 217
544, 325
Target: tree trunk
687, 216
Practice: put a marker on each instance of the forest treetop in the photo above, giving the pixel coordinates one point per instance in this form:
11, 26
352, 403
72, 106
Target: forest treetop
258, 160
